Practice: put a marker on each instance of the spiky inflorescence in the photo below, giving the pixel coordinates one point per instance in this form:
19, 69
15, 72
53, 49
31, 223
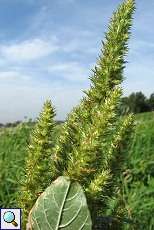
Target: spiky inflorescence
90, 141
83, 157
106, 75
38, 162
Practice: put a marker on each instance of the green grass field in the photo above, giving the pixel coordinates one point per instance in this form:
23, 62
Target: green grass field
138, 182
13, 145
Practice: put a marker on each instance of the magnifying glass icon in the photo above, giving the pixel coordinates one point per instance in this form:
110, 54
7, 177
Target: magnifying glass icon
9, 217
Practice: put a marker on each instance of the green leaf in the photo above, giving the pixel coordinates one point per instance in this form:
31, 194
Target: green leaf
62, 205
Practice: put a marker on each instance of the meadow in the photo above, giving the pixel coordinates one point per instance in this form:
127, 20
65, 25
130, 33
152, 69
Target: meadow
138, 173
138, 182
13, 149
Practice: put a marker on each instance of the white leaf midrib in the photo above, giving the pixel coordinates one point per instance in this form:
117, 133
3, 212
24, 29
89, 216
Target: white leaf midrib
61, 208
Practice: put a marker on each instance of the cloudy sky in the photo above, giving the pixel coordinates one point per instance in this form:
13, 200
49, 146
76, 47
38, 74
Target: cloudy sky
48, 48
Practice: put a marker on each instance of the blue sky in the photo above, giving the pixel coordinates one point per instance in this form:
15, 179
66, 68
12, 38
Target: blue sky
48, 48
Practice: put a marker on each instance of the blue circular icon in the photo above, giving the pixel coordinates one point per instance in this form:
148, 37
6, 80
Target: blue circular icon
9, 217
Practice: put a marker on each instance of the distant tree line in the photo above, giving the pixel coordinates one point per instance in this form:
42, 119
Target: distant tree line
10, 124
16, 123
137, 103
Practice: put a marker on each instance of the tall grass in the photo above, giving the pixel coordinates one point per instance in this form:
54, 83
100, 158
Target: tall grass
138, 178
13, 142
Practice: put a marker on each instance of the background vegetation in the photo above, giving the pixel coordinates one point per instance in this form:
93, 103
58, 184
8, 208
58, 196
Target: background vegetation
13, 151
137, 178
137, 103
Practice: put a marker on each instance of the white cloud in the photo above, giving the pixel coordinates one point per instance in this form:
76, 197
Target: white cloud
7, 76
72, 71
76, 45
84, 42
28, 50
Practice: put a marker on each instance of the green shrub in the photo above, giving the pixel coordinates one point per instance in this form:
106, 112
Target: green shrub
89, 149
